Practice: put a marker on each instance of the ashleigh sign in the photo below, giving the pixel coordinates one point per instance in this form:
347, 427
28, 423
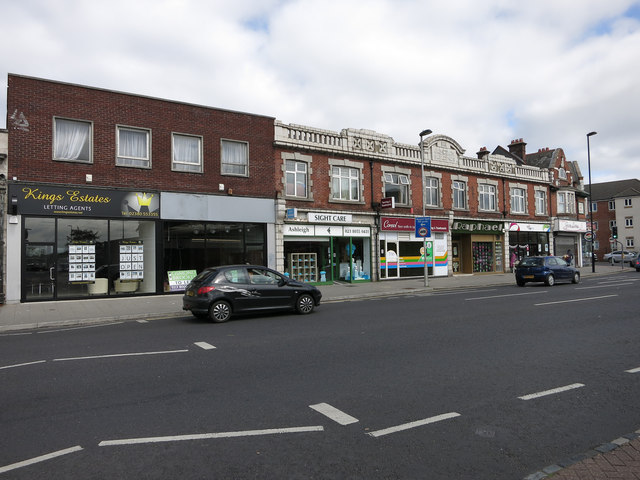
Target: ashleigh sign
77, 201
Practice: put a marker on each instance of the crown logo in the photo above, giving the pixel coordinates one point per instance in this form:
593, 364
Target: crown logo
144, 200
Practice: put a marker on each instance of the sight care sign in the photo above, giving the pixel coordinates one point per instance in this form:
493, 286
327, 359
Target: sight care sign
84, 202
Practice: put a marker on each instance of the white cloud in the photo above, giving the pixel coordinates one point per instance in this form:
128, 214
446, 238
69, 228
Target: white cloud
482, 72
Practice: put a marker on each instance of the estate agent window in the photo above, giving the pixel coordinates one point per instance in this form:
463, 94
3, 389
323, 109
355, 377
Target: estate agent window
187, 153
72, 140
133, 147
235, 158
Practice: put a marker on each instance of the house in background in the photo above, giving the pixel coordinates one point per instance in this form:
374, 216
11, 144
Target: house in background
616, 204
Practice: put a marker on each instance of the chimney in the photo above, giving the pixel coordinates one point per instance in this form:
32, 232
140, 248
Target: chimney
518, 148
483, 152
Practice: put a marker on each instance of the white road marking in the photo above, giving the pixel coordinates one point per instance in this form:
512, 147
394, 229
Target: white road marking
552, 391
22, 364
41, 458
41, 332
119, 355
204, 436
509, 295
142, 321
204, 345
418, 423
334, 414
574, 300
633, 370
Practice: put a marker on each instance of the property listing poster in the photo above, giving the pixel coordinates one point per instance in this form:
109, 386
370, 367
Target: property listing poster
131, 260
82, 263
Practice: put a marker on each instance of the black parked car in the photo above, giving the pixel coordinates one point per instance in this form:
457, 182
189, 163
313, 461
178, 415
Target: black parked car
545, 269
219, 292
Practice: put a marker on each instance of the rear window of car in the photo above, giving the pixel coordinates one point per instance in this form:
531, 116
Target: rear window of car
204, 275
532, 262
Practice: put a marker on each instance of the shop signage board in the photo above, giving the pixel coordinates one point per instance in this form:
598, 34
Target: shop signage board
304, 230
84, 202
473, 226
179, 279
329, 230
408, 224
388, 202
314, 217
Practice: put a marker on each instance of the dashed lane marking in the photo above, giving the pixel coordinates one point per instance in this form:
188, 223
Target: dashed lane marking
23, 364
136, 354
553, 391
418, 423
633, 370
204, 345
574, 300
39, 459
508, 295
205, 436
334, 414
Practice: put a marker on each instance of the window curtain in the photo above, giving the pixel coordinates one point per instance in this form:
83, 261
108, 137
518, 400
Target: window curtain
71, 138
234, 158
186, 153
132, 148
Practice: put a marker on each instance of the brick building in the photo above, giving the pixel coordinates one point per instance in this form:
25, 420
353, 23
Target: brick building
112, 193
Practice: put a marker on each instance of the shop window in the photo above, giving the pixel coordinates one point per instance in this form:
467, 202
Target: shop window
296, 178
432, 191
187, 153
235, 158
459, 195
72, 140
345, 184
133, 147
482, 257
396, 185
487, 197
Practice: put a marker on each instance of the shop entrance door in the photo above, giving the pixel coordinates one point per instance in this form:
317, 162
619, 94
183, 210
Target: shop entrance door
456, 257
39, 276
391, 253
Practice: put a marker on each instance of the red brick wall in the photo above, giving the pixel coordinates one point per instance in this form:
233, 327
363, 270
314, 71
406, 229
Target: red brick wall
39, 101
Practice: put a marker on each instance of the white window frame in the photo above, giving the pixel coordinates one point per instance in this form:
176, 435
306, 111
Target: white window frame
79, 148
628, 222
518, 200
594, 206
185, 164
432, 191
627, 202
541, 202
630, 242
234, 167
487, 195
612, 204
136, 161
459, 192
300, 176
400, 183
341, 175
566, 203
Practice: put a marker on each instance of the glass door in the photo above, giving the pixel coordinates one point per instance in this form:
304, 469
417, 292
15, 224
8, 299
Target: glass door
389, 259
39, 278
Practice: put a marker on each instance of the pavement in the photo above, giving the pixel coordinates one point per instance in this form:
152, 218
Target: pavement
617, 459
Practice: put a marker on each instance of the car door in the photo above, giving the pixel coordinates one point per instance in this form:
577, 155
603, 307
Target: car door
269, 288
234, 283
561, 268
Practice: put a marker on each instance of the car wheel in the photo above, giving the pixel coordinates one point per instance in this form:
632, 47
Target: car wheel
550, 280
576, 278
520, 283
220, 311
305, 304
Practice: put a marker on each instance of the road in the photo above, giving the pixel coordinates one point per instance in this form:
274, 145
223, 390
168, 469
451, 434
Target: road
484, 384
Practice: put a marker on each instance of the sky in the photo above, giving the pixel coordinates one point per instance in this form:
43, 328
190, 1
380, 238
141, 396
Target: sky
483, 72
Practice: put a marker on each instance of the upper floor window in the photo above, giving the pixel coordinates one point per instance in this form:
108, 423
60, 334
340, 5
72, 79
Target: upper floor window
630, 243
517, 200
133, 147
72, 140
432, 191
296, 178
562, 173
627, 202
566, 202
459, 194
345, 183
541, 202
612, 204
396, 185
487, 197
628, 222
187, 153
235, 158
594, 206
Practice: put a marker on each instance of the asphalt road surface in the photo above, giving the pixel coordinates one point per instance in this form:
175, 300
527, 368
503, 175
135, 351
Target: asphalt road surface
490, 383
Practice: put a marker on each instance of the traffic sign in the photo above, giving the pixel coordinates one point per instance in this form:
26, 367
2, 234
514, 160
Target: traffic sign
423, 227
588, 236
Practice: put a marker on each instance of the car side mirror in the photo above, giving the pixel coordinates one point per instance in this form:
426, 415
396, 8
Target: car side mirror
283, 281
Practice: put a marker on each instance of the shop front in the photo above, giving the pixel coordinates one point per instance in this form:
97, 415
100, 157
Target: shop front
477, 246
568, 236
527, 239
329, 251
402, 253
79, 242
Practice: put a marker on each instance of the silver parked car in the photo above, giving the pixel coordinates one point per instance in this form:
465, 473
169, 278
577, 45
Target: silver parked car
616, 256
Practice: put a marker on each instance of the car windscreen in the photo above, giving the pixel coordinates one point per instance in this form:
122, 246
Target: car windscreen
532, 262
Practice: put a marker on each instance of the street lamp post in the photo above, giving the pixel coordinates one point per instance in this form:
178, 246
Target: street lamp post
424, 206
593, 255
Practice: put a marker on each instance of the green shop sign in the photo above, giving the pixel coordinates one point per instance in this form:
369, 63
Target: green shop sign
471, 226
